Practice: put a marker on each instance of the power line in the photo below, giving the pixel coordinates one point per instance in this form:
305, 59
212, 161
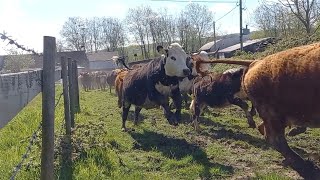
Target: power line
227, 13
197, 1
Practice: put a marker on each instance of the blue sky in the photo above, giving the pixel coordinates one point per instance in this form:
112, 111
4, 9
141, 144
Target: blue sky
28, 21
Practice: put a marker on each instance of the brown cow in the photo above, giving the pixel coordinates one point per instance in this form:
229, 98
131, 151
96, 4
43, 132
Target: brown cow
85, 80
283, 87
111, 77
118, 86
119, 82
218, 91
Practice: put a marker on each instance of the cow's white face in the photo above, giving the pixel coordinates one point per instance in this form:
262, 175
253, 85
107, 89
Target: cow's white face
205, 66
175, 61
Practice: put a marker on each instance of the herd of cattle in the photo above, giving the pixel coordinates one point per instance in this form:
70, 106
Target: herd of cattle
283, 88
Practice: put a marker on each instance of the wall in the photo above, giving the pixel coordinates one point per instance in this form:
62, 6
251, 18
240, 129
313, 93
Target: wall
17, 90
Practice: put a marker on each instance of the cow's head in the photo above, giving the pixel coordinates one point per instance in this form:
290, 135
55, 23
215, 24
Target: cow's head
175, 60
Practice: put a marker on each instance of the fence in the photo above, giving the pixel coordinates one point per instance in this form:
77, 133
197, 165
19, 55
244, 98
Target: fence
18, 89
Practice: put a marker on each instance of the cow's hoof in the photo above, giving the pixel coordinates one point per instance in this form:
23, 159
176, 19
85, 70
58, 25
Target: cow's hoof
297, 130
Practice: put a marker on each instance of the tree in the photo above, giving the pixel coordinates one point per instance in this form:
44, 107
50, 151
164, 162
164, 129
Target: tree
307, 11
138, 20
73, 33
16, 61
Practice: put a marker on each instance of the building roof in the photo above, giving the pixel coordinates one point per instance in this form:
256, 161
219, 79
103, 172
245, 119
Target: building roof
208, 46
222, 40
245, 43
101, 55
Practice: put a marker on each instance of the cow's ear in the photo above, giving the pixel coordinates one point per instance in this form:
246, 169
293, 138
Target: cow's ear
166, 51
160, 49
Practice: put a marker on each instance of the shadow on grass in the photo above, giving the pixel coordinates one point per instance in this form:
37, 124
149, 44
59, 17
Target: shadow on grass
217, 130
177, 148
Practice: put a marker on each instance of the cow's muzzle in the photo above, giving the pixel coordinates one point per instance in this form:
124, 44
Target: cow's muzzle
186, 72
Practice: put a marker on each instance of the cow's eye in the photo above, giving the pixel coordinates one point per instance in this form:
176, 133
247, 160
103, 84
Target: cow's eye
173, 58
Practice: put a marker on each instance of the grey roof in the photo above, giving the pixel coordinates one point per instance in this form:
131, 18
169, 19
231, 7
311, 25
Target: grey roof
224, 41
101, 55
246, 43
208, 46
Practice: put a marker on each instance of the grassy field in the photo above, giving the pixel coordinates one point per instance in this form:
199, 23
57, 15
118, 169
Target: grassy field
225, 149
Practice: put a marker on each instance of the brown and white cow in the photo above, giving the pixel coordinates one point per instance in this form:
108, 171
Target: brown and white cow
197, 69
284, 89
151, 85
218, 90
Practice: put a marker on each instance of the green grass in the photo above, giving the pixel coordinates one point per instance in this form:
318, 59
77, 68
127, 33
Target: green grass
225, 149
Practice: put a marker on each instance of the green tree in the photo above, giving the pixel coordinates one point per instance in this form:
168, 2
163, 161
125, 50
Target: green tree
16, 61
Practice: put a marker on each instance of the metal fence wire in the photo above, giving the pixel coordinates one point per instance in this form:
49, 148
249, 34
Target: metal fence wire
33, 140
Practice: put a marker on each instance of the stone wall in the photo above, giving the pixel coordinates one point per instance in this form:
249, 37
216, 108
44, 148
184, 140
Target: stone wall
17, 90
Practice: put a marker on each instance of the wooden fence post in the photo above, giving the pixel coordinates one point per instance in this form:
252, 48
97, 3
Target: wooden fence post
64, 75
76, 86
48, 108
71, 92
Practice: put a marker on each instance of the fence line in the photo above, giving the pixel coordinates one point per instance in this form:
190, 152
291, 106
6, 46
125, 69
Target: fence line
22, 83
13, 42
33, 140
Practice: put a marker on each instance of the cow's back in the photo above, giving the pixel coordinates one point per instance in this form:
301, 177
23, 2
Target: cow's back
135, 84
288, 81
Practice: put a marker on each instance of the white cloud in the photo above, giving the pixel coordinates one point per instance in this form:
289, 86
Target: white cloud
221, 7
113, 9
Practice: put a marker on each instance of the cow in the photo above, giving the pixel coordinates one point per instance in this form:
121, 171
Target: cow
219, 90
119, 82
283, 88
152, 84
118, 86
111, 77
196, 69
85, 80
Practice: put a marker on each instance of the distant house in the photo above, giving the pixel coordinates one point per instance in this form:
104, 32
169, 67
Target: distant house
223, 42
102, 60
248, 46
79, 56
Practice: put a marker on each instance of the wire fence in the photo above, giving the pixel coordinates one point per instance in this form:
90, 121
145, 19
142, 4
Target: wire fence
11, 41
33, 139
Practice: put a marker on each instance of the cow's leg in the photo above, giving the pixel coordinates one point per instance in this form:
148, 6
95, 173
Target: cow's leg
110, 88
244, 106
167, 112
125, 111
297, 130
196, 108
253, 110
274, 129
177, 100
196, 115
185, 98
136, 114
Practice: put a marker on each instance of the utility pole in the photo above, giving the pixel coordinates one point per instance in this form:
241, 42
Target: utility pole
241, 43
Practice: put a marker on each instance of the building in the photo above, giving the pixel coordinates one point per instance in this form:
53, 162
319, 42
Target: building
102, 60
248, 46
223, 42
79, 56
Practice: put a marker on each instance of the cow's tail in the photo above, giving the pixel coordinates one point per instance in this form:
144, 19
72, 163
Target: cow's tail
237, 62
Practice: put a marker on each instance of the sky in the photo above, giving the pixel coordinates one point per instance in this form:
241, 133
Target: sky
27, 21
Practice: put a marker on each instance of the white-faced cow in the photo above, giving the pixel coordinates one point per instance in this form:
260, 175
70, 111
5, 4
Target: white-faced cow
151, 85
